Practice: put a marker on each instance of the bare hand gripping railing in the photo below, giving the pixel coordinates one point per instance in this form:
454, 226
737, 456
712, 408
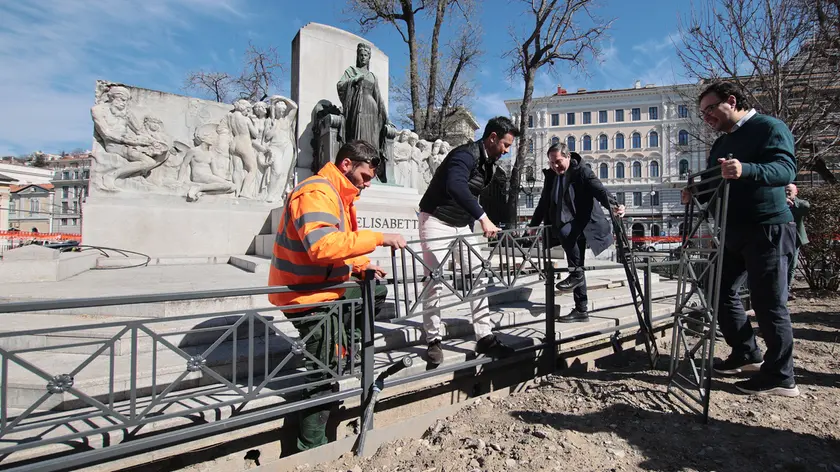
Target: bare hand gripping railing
698, 291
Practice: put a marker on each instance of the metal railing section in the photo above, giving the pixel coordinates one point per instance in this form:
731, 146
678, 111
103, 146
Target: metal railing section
698, 291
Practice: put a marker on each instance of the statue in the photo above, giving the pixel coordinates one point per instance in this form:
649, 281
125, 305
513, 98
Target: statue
242, 133
144, 146
203, 165
281, 150
416, 162
402, 159
364, 111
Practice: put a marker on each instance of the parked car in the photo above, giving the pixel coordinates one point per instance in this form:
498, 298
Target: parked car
662, 246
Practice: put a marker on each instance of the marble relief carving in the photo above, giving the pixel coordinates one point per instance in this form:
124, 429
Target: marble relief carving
157, 143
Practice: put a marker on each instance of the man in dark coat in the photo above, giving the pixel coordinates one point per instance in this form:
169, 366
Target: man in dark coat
567, 204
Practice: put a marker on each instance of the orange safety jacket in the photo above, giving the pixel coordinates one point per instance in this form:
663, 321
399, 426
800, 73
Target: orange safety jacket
318, 239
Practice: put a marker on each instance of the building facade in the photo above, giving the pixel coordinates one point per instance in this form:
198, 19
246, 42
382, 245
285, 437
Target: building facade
640, 142
30, 208
71, 179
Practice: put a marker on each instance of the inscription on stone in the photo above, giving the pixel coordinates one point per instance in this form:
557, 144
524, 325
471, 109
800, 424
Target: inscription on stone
387, 223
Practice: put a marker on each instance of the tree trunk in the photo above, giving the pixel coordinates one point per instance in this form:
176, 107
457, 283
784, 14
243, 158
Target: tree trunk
408, 11
433, 67
521, 149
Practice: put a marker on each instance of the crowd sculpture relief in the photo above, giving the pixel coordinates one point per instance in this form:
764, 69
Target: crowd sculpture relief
249, 153
416, 160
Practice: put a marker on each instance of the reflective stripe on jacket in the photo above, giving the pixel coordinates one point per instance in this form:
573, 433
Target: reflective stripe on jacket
318, 239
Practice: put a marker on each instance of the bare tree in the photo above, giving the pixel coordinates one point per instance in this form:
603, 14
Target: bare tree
779, 53
260, 75
217, 85
563, 31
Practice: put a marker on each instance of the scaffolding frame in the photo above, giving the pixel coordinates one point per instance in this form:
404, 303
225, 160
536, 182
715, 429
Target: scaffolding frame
698, 291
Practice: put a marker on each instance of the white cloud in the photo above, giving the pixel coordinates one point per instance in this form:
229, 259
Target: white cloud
53, 51
656, 46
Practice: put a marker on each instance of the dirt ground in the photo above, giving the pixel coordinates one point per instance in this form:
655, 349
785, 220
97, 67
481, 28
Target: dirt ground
618, 418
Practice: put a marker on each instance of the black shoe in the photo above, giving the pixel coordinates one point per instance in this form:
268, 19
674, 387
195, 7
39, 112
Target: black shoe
735, 364
434, 354
570, 283
575, 316
760, 385
491, 346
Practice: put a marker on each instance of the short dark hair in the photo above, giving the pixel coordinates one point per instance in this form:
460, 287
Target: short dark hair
558, 147
723, 90
501, 125
358, 150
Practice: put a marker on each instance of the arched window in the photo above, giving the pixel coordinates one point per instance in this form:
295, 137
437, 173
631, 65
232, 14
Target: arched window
603, 142
654, 169
637, 170
637, 141
555, 140
683, 137
653, 139
604, 171
655, 231
683, 168
531, 146
619, 170
587, 143
570, 141
638, 230
619, 141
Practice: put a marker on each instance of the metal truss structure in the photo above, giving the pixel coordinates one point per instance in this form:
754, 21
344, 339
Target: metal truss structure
698, 291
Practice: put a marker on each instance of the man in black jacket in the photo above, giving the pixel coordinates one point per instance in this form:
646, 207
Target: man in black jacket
567, 204
450, 208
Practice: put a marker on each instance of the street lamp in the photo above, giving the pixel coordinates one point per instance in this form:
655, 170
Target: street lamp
530, 180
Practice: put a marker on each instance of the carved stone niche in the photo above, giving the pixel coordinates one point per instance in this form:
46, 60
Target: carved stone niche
328, 139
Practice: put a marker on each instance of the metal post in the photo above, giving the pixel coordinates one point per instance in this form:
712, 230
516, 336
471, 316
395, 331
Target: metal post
550, 350
367, 335
648, 304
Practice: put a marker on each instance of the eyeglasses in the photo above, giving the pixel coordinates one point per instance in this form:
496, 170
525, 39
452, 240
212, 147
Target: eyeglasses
374, 161
709, 109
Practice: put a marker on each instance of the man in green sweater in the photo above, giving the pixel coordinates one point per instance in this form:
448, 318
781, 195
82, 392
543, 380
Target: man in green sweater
760, 238
798, 208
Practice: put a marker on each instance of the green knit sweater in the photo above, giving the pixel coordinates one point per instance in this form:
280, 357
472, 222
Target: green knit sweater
764, 145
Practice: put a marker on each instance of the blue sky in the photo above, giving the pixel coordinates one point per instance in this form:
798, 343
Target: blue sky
52, 52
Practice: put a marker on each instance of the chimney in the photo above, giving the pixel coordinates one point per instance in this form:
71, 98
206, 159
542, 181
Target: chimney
561, 90
638, 84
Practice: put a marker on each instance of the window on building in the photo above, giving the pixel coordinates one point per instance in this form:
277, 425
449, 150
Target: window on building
637, 140
653, 113
637, 199
34, 206
75, 207
603, 142
683, 137
654, 199
619, 141
530, 121
12, 209
619, 196
65, 175
86, 174
65, 208
570, 119
682, 111
76, 175
653, 139
570, 142
587, 117
74, 221
637, 170
529, 201
654, 169
587, 143
636, 114
531, 146
604, 171
555, 119
683, 168
619, 115
65, 192
619, 170
64, 222
602, 116
555, 140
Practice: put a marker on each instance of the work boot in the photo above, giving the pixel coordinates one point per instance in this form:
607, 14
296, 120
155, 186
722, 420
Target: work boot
491, 346
570, 283
575, 316
434, 354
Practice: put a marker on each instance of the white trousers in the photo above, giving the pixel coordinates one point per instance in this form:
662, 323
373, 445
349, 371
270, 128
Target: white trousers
434, 253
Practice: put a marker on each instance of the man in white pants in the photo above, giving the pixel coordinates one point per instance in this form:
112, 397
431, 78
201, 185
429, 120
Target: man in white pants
450, 208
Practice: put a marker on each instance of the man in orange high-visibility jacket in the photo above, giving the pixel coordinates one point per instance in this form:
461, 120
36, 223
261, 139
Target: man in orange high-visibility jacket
318, 240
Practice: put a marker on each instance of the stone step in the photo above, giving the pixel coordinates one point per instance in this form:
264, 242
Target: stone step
264, 245
253, 264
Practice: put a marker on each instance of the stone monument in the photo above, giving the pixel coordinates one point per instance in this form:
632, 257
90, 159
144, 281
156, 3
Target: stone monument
175, 176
